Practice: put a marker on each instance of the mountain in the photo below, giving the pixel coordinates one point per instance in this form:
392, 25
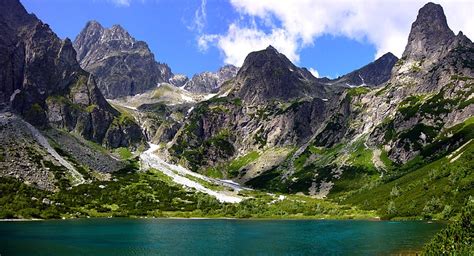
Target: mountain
179, 80
397, 133
430, 34
122, 65
393, 138
373, 74
268, 75
43, 85
208, 82
279, 128
271, 103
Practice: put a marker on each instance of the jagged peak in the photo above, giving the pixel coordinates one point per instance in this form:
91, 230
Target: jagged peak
271, 48
388, 55
429, 32
93, 24
268, 56
13, 12
118, 28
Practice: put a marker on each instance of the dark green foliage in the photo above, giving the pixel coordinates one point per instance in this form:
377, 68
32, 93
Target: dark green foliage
18, 200
235, 165
456, 239
409, 107
425, 190
436, 105
413, 136
260, 138
356, 91
266, 181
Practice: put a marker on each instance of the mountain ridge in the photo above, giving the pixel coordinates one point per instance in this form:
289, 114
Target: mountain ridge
123, 66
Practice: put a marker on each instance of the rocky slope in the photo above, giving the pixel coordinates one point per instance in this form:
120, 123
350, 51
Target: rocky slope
429, 91
278, 127
270, 103
421, 114
42, 82
122, 65
208, 82
373, 74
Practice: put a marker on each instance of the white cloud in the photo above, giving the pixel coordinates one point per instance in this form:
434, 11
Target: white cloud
385, 24
124, 3
314, 72
200, 18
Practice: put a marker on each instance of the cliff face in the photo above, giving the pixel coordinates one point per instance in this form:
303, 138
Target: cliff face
42, 81
270, 103
373, 74
122, 65
429, 91
403, 110
209, 82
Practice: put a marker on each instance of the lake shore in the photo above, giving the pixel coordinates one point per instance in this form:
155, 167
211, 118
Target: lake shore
374, 219
17, 220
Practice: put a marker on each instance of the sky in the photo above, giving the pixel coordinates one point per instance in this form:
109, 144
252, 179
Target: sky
330, 38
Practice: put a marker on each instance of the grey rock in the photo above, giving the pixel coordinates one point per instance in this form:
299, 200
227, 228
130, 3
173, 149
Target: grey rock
44, 82
208, 82
178, 80
373, 74
122, 65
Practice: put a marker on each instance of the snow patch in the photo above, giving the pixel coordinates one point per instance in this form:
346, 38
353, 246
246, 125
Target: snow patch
12, 97
179, 173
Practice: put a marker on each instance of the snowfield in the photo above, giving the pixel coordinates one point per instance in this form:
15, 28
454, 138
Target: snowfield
179, 175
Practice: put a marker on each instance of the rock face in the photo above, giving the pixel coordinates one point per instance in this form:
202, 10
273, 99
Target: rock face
178, 80
208, 82
122, 65
41, 80
268, 75
430, 35
270, 103
429, 91
403, 110
373, 74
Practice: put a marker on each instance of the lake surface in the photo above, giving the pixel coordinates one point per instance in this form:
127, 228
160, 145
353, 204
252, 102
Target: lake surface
212, 237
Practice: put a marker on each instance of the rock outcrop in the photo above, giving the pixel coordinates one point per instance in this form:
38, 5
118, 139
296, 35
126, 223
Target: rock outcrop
268, 75
429, 91
42, 80
122, 65
372, 74
209, 82
270, 103
274, 104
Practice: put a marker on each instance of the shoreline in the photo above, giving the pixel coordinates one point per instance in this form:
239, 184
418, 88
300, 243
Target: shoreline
19, 220
234, 218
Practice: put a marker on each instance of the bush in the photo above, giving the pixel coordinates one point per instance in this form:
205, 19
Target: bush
456, 239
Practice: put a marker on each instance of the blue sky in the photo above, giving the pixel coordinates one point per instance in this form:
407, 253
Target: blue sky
192, 36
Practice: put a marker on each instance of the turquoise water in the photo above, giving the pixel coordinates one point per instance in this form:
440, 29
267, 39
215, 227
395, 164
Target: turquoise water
212, 237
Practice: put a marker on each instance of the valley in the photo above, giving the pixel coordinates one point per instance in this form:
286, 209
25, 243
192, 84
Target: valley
98, 128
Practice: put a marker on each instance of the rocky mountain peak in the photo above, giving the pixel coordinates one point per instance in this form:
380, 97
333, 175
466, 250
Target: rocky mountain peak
16, 15
372, 74
43, 82
117, 32
94, 25
210, 82
267, 75
265, 60
122, 65
429, 33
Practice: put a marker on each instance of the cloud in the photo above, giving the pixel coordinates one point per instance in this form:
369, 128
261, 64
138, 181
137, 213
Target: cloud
200, 17
314, 72
124, 3
295, 25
